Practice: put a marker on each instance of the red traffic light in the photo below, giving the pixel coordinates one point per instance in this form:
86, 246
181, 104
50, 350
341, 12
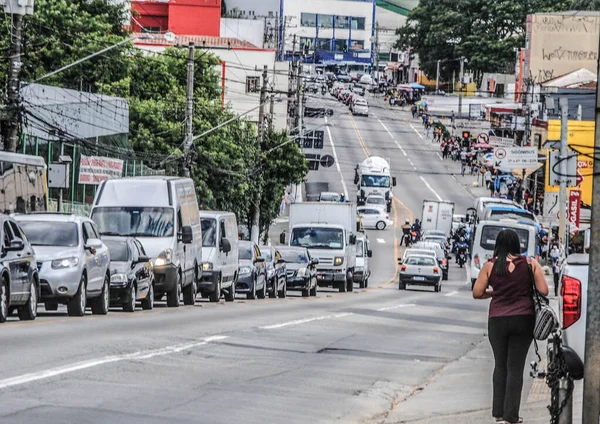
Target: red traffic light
466, 134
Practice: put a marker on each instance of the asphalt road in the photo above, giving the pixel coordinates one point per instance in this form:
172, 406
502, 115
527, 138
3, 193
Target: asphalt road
369, 356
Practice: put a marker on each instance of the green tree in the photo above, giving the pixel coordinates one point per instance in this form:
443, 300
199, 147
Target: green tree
592, 5
483, 31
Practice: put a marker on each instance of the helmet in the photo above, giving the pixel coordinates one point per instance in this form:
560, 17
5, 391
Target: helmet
407, 221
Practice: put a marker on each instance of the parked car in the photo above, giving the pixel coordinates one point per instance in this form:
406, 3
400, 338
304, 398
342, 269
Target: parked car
276, 272
72, 261
376, 201
219, 255
373, 217
132, 276
301, 270
162, 213
252, 275
420, 271
19, 279
439, 252
362, 269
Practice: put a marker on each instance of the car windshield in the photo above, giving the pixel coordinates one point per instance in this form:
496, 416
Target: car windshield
119, 252
51, 233
318, 238
245, 252
419, 260
490, 232
330, 197
135, 221
376, 200
209, 232
294, 257
375, 181
360, 249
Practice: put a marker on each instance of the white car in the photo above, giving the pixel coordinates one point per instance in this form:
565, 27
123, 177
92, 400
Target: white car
366, 79
374, 217
329, 197
420, 271
360, 107
376, 201
418, 252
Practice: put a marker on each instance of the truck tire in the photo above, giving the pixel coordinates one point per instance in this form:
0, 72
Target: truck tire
343, 287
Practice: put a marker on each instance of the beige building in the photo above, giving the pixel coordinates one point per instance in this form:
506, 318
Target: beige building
560, 43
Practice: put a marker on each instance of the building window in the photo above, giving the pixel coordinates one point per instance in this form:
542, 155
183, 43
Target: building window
252, 84
358, 23
342, 22
324, 44
308, 19
325, 21
151, 30
341, 45
358, 45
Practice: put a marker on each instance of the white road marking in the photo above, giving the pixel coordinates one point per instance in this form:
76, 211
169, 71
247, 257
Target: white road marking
468, 275
452, 293
304, 321
337, 162
416, 130
389, 308
431, 188
143, 354
380, 240
440, 156
392, 136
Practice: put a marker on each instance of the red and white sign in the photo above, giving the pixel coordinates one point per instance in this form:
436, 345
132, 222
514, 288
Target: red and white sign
574, 207
95, 169
579, 179
482, 138
501, 141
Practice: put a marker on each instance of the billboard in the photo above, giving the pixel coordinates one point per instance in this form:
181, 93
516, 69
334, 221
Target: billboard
95, 169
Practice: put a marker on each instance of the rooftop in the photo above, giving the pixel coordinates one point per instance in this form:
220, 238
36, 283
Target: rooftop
199, 41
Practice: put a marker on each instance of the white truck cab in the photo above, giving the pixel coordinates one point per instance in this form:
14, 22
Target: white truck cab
372, 177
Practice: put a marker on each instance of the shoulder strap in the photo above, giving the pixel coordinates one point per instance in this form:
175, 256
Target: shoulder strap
536, 294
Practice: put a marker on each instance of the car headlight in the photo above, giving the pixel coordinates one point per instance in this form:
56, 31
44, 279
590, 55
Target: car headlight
118, 278
207, 266
338, 260
301, 272
65, 263
164, 258
245, 270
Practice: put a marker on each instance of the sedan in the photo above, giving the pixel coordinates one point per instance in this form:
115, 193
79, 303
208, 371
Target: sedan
276, 272
374, 217
301, 270
132, 276
420, 271
376, 201
440, 255
252, 276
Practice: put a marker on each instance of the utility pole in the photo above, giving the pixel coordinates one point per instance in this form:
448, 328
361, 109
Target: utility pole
591, 378
255, 230
377, 50
11, 125
272, 101
562, 195
189, 112
460, 85
437, 77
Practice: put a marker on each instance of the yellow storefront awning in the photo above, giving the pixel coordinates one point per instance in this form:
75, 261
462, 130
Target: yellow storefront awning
528, 171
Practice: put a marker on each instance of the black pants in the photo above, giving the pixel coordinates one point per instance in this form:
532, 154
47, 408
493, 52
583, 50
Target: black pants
510, 338
556, 284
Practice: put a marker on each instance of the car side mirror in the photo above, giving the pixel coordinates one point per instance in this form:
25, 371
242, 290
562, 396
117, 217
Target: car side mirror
352, 239
143, 259
225, 245
93, 244
16, 245
282, 237
394, 181
259, 260
187, 235
369, 253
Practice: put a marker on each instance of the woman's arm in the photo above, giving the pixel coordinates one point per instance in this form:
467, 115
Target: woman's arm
480, 288
540, 279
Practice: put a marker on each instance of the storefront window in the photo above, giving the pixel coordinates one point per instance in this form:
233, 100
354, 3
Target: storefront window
324, 44
358, 44
308, 19
341, 45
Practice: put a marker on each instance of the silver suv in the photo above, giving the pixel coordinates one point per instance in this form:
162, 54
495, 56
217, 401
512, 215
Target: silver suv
72, 261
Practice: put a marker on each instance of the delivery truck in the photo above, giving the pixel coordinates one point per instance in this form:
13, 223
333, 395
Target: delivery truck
437, 216
328, 231
372, 177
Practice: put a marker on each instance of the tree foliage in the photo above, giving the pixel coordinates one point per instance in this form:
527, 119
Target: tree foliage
485, 32
590, 5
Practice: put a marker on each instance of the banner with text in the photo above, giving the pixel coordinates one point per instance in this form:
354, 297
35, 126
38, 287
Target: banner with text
95, 169
501, 141
574, 209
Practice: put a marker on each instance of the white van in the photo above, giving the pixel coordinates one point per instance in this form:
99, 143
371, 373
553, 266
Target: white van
162, 213
481, 204
219, 255
484, 242
362, 268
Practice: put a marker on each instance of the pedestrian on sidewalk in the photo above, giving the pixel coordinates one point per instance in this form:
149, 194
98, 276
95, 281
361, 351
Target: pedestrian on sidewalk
463, 167
506, 280
488, 178
555, 257
428, 126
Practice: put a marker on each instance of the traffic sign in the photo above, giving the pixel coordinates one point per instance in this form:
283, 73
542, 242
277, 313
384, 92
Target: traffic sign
515, 157
327, 161
482, 138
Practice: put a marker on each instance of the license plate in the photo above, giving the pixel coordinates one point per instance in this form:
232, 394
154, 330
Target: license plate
320, 276
419, 278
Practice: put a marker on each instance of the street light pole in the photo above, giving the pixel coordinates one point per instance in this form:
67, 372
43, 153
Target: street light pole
189, 112
460, 85
562, 195
437, 77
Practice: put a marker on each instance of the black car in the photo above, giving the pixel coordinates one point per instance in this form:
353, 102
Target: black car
276, 272
132, 277
301, 270
19, 281
252, 274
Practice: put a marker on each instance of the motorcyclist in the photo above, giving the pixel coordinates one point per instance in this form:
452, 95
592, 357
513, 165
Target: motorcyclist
416, 226
406, 228
461, 248
342, 198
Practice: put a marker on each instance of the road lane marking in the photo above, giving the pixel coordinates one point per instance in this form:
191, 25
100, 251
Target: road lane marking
468, 275
417, 131
411, 162
452, 293
389, 308
143, 354
440, 156
431, 188
360, 139
392, 136
380, 240
337, 162
304, 321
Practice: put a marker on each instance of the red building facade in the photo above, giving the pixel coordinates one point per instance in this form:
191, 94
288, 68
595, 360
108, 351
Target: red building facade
189, 17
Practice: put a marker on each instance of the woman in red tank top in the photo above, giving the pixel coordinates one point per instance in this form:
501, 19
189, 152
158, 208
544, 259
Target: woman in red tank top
506, 280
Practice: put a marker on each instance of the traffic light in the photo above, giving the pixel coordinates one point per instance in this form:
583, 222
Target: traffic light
345, 48
466, 134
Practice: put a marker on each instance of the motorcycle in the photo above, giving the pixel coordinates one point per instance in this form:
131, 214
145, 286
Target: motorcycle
462, 258
414, 237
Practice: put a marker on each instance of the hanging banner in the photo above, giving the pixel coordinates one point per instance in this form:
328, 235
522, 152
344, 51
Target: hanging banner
574, 209
95, 169
501, 141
